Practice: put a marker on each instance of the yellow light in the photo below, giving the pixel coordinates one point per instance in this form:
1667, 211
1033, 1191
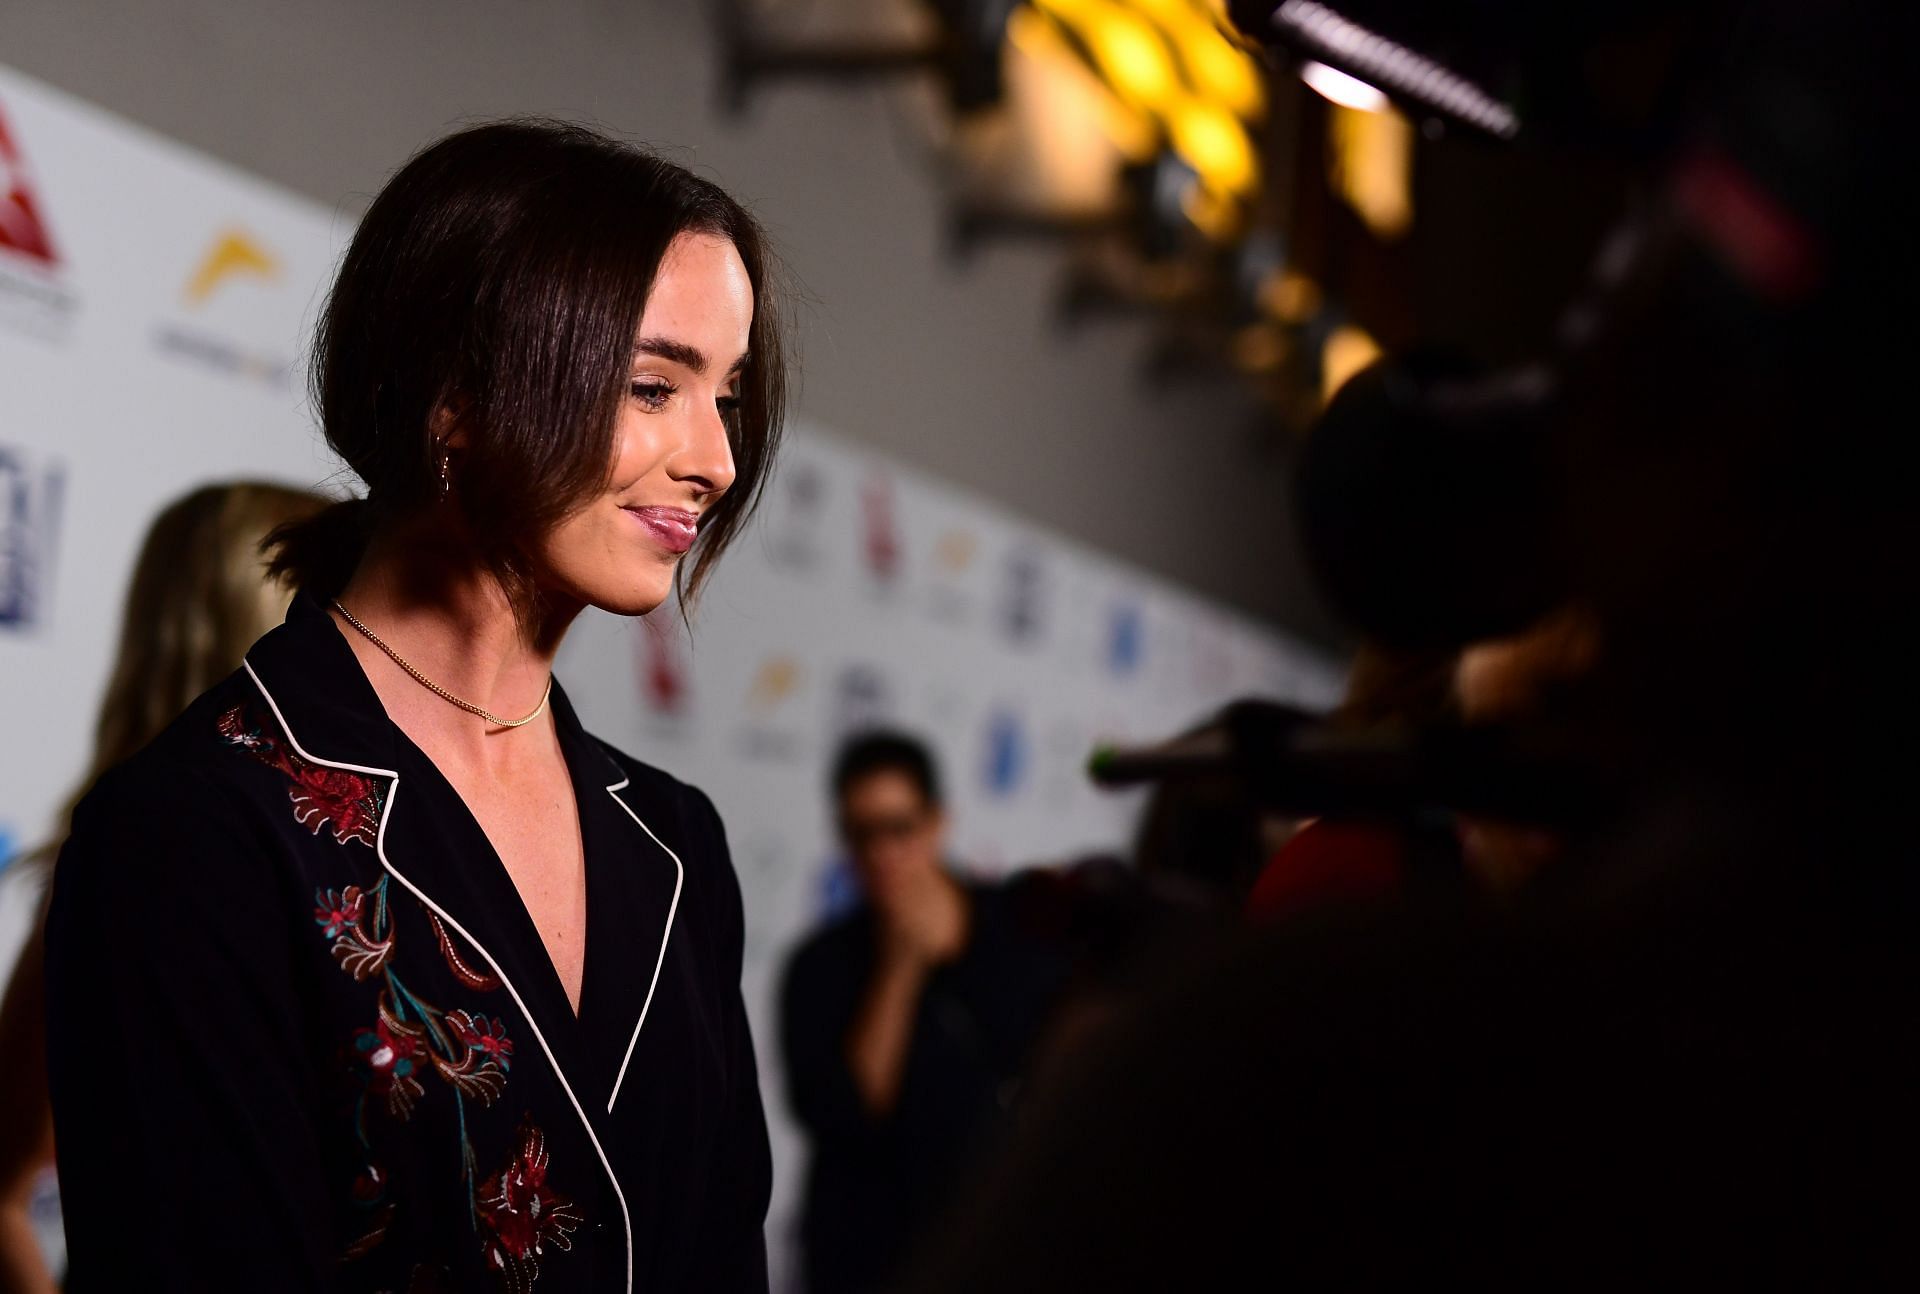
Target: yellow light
1217, 218
1131, 132
1215, 67
1290, 296
1370, 164
1133, 59
1215, 144
1348, 349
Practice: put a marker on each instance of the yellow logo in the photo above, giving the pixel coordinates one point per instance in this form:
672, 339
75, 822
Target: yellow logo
232, 253
955, 551
775, 682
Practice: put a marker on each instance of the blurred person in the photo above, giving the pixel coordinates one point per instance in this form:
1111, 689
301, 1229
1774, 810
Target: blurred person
375, 970
1208, 835
1517, 680
199, 597
906, 1024
1348, 860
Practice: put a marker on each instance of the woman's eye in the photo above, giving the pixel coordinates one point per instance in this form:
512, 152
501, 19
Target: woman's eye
730, 402
653, 394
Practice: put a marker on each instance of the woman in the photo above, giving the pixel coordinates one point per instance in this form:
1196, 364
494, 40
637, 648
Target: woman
376, 971
199, 597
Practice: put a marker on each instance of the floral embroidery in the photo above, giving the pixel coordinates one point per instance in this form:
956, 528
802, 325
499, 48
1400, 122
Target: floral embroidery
341, 915
347, 800
482, 1035
351, 802
523, 1215
410, 1038
391, 1051
462, 969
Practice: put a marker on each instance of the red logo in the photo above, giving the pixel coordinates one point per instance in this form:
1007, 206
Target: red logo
883, 541
21, 228
663, 670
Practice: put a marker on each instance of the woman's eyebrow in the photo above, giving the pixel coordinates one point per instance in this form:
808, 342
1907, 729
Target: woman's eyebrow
679, 352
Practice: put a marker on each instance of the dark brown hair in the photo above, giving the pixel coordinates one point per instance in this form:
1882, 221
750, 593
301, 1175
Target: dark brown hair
501, 274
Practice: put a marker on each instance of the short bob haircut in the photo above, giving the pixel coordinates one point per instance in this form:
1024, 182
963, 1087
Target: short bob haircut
501, 274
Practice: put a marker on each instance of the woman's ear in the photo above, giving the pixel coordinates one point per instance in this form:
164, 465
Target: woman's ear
449, 425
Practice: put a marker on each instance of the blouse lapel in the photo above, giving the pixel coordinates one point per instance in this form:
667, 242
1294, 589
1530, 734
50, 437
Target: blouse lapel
426, 839
431, 844
634, 880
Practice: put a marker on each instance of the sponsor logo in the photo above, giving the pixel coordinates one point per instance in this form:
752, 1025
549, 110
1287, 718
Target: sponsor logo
22, 229
837, 889
881, 533
948, 597
665, 684
1007, 755
770, 730
793, 539
1126, 640
233, 255
773, 683
30, 496
1023, 597
33, 301
955, 552
862, 699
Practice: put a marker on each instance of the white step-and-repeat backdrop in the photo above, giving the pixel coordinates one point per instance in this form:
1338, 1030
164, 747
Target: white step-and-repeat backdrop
154, 310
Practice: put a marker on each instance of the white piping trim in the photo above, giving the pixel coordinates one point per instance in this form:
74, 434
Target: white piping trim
679, 879
380, 850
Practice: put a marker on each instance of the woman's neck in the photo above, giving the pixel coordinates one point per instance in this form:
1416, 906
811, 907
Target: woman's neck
451, 620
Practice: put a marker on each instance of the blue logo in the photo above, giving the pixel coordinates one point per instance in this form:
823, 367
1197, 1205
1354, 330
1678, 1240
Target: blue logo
1126, 639
1021, 610
1007, 755
839, 890
29, 525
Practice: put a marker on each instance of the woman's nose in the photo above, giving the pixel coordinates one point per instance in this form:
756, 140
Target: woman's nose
706, 460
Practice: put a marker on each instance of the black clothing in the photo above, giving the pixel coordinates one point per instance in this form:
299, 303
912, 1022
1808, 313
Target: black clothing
874, 1184
305, 1036
1629, 1078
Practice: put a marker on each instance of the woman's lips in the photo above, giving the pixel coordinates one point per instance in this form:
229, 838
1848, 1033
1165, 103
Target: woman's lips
673, 528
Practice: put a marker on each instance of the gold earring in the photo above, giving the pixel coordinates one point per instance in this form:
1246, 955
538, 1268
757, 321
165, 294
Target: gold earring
446, 484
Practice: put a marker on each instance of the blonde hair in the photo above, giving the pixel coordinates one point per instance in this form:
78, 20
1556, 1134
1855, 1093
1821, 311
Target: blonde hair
199, 597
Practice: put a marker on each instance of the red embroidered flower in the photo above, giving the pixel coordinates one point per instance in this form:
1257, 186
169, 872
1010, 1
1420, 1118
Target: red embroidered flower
483, 1035
339, 915
347, 800
350, 801
335, 910
392, 1051
524, 1215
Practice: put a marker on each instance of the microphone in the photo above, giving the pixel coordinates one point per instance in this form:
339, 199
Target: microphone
1298, 764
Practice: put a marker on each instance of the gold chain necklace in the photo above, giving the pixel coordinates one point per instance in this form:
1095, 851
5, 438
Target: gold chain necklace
435, 688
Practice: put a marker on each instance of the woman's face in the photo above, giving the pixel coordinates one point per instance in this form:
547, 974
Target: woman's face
671, 458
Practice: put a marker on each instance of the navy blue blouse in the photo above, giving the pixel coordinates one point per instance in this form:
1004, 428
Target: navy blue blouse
304, 1036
